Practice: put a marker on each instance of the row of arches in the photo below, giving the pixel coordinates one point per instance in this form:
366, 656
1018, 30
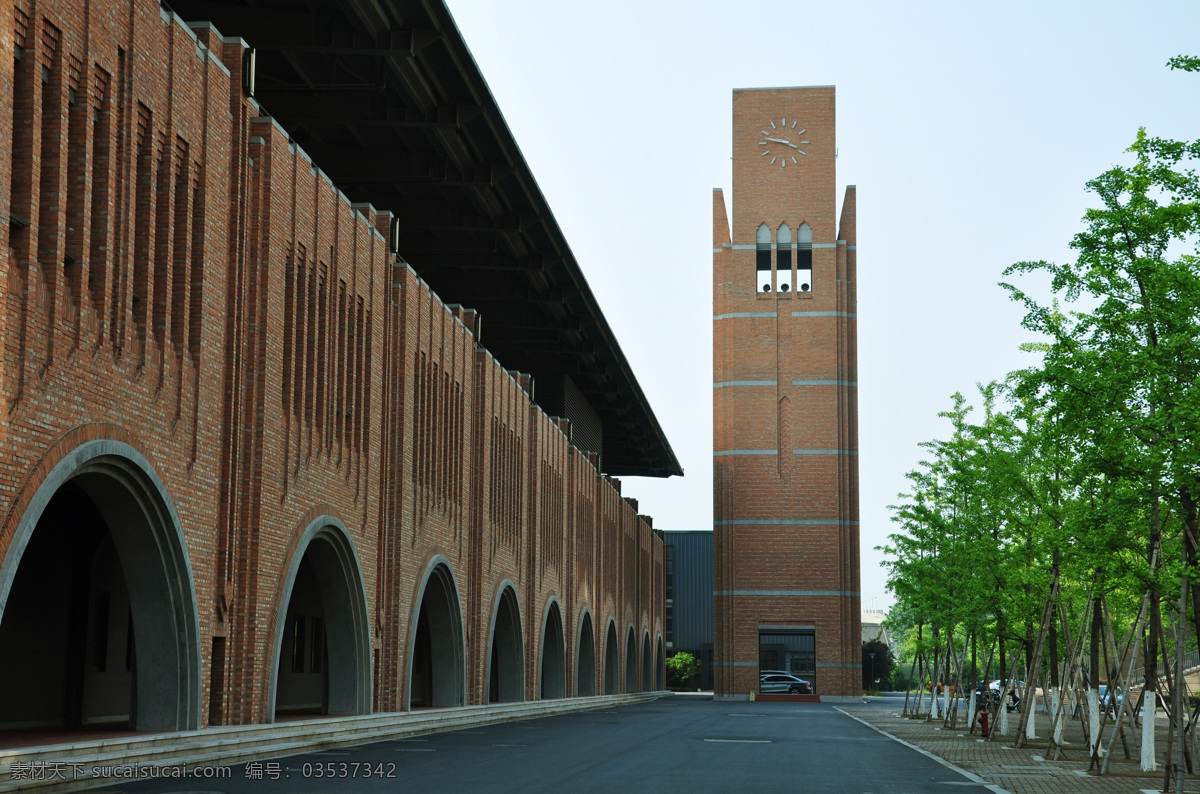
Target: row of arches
99, 620
438, 673
781, 278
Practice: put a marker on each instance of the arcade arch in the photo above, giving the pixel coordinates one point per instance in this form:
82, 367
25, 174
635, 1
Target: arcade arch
98, 621
506, 659
612, 674
585, 659
323, 644
647, 674
437, 668
553, 657
631, 676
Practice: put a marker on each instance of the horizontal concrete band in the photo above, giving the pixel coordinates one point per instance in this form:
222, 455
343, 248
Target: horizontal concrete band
839, 664
735, 315
786, 628
732, 315
724, 452
726, 246
824, 451
836, 593
754, 246
852, 315
726, 383
783, 522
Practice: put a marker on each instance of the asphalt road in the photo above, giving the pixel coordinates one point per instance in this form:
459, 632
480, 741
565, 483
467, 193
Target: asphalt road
683, 742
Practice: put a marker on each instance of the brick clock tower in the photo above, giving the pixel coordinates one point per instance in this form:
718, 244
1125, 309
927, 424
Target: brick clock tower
785, 403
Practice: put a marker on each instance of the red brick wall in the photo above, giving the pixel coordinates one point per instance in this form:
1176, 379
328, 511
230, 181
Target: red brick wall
785, 380
192, 284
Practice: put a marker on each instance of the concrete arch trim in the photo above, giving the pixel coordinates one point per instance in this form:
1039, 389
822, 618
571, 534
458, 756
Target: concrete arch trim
614, 648
631, 644
505, 586
584, 614
585, 620
660, 662
414, 617
551, 602
350, 640
171, 595
646, 657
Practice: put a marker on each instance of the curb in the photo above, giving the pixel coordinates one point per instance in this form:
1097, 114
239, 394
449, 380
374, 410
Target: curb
970, 775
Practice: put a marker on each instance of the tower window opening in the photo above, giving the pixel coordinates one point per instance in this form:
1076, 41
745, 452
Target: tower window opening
804, 279
783, 257
762, 259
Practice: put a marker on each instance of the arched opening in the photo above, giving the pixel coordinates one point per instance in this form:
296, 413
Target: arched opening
323, 645
762, 259
804, 252
585, 660
660, 668
437, 670
553, 656
783, 257
647, 670
631, 671
98, 622
611, 665
506, 663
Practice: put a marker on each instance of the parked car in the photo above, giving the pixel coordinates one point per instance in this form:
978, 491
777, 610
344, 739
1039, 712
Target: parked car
764, 673
1111, 704
784, 683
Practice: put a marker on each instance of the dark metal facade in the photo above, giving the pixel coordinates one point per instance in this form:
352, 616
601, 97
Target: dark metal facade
689, 596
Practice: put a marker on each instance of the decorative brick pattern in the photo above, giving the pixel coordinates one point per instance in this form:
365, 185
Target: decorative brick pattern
179, 276
785, 416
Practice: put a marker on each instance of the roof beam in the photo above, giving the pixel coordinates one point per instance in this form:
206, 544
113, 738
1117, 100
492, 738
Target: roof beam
363, 108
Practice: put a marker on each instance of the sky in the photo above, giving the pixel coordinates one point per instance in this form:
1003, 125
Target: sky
969, 129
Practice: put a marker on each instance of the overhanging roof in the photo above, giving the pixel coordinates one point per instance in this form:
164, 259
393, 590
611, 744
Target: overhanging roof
388, 101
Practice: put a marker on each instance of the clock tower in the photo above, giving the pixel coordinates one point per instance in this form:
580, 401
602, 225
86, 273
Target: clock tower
785, 403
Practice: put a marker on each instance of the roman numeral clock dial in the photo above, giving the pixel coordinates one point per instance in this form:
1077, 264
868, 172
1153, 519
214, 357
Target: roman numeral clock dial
782, 143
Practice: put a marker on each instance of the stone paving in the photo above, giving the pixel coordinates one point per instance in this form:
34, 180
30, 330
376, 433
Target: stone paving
1029, 769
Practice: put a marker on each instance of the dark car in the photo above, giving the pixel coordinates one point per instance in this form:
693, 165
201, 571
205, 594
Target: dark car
781, 682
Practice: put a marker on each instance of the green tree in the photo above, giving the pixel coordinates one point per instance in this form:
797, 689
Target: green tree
682, 669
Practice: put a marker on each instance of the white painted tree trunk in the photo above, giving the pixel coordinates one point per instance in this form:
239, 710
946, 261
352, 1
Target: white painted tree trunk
920, 698
934, 714
1031, 707
1148, 703
1093, 709
1056, 695
946, 701
1002, 718
971, 708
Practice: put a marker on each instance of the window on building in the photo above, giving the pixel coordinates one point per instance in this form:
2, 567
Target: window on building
783, 257
804, 258
298, 644
762, 258
316, 656
669, 594
794, 652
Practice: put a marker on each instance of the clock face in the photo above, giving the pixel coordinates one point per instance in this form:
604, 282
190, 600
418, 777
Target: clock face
781, 144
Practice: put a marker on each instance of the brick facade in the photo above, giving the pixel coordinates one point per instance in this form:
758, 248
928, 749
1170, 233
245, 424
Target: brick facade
181, 280
785, 422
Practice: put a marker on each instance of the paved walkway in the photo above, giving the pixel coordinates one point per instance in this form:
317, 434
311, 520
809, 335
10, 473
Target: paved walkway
1027, 770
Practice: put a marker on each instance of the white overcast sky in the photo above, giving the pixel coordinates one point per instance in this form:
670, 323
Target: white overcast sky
969, 129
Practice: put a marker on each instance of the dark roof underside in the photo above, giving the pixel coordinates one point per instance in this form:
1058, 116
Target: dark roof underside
388, 101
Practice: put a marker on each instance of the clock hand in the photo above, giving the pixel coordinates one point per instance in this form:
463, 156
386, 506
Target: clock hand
785, 143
